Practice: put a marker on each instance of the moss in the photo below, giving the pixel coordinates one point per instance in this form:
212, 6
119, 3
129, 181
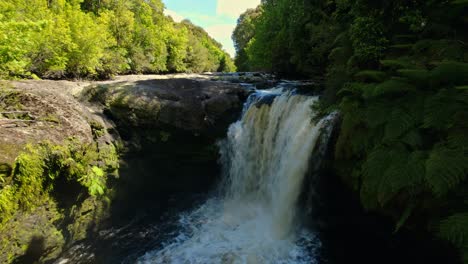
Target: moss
43, 175
97, 129
9, 98
28, 176
51, 118
87, 217
8, 203
164, 136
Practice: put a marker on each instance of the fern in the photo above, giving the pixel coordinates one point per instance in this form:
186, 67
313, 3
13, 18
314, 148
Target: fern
399, 123
391, 87
377, 114
388, 171
458, 138
357, 89
455, 229
441, 109
413, 139
396, 64
404, 217
348, 143
450, 73
370, 76
446, 169
419, 78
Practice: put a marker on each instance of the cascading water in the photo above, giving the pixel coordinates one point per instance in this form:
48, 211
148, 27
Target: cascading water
254, 219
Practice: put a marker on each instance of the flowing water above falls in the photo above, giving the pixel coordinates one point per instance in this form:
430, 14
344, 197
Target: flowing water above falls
255, 217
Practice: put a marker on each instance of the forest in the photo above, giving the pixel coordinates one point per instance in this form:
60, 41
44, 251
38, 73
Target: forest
398, 73
57, 39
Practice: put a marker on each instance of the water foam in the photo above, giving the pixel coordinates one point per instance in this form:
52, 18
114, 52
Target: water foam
254, 219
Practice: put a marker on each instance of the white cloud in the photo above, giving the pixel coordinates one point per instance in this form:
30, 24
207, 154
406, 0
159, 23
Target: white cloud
174, 15
222, 33
234, 8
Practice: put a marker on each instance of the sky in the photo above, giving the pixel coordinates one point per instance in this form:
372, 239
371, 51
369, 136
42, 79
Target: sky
217, 17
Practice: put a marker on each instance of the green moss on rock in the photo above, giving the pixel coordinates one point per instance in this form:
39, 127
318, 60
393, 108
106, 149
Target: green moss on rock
43, 176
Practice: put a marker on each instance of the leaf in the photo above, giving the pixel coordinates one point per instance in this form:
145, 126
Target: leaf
446, 168
97, 171
455, 229
370, 76
404, 217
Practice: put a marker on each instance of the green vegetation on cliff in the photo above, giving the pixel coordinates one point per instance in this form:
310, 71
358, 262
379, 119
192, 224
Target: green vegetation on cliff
97, 39
398, 72
56, 184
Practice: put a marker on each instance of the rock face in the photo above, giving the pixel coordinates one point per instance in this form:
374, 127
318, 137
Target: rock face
194, 105
59, 211
170, 125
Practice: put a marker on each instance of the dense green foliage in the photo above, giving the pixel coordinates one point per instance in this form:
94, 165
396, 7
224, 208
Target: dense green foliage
398, 72
97, 39
39, 169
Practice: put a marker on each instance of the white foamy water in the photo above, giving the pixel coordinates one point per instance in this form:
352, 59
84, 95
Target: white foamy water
255, 218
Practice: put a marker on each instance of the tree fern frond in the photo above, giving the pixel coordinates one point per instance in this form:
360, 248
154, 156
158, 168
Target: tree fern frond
391, 87
399, 123
455, 229
451, 73
419, 78
441, 108
458, 138
396, 64
370, 76
388, 171
404, 217
357, 89
413, 138
377, 114
446, 168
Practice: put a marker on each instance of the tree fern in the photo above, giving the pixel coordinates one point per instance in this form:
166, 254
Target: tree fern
399, 123
446, 168
413, 139
441, 108
404, 217
396, 64
420, 78
450, 73
388, 171
391, 87
370, 76
458, 138
455, 230
352, 120
377, 113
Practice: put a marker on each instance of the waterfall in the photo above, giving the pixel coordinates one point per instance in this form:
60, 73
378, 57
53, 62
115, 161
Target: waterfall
254, 219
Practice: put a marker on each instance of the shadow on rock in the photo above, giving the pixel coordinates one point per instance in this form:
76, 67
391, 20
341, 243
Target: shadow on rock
34, 252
